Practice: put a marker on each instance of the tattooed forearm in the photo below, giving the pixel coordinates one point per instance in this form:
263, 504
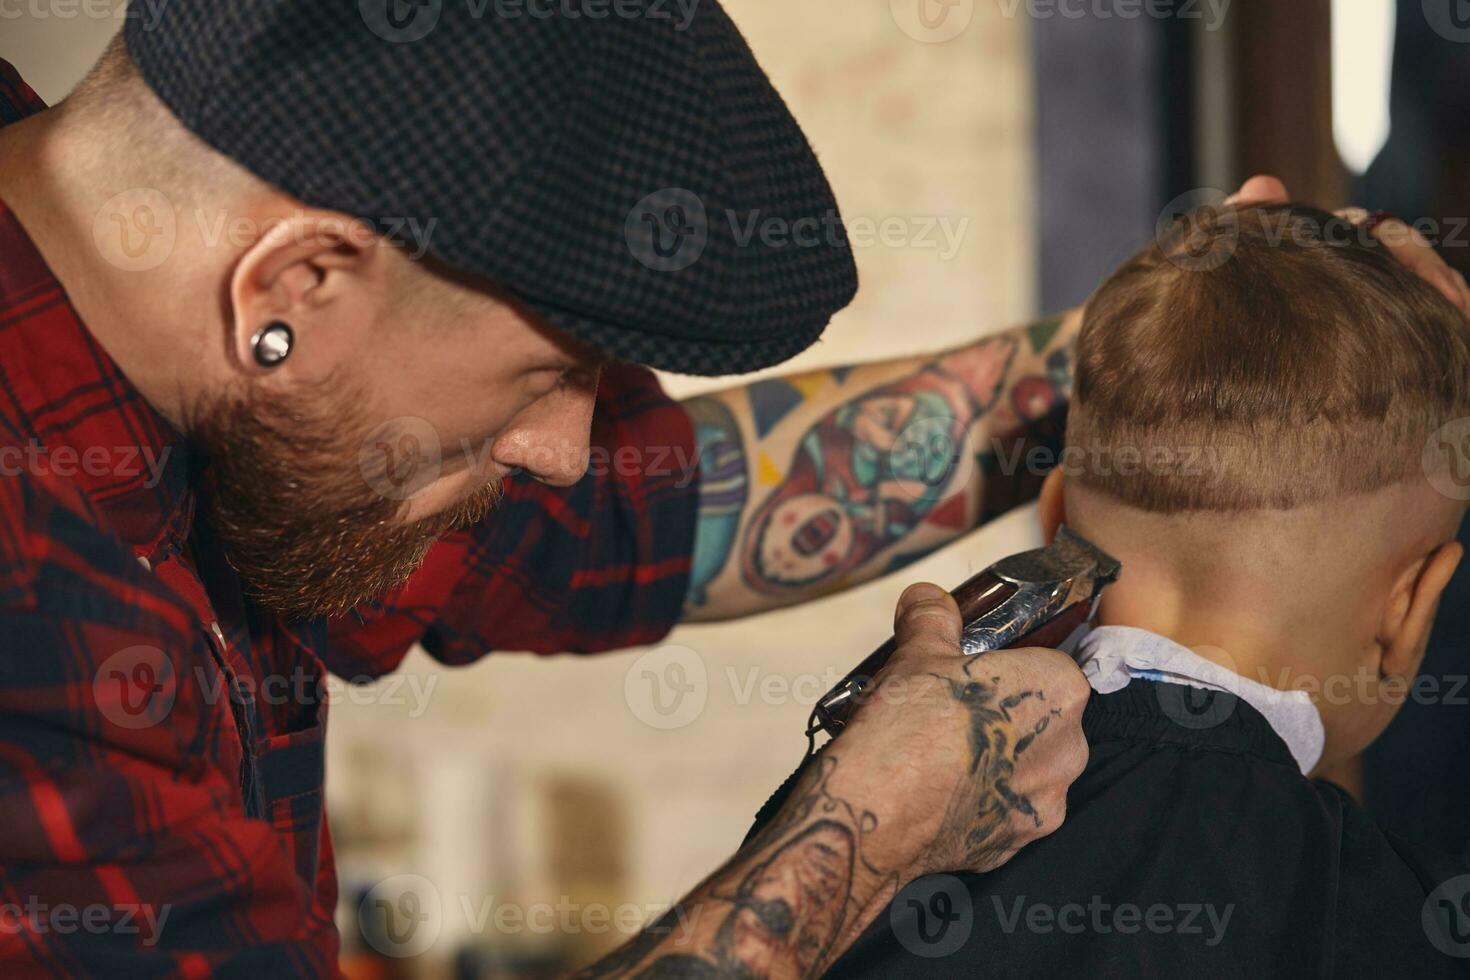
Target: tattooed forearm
954, 766
820, 481
816, 875
781, 907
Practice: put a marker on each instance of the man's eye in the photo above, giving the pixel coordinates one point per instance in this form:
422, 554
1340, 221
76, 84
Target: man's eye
583, 377
546, 381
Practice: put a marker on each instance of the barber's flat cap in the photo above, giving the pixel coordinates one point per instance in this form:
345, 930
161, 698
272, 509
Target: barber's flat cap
623, 167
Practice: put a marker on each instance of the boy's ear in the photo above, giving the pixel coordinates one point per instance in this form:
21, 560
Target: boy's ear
1410, 614
1053, 505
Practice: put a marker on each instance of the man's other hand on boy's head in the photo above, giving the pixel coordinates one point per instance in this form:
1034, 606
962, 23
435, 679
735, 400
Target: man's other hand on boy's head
1409, 246
1403, 241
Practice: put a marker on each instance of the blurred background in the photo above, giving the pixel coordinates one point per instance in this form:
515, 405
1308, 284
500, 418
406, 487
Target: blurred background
539, 810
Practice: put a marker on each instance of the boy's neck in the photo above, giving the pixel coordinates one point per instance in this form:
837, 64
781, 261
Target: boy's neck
1237, 624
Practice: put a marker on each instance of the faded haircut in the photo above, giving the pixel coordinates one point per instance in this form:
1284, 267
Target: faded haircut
1262, 358
139, 136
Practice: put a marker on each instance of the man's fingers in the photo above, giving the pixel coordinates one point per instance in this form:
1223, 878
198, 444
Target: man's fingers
927, 621
1055, 673
1407, 244
1260, 189
1414, 250
1462, 289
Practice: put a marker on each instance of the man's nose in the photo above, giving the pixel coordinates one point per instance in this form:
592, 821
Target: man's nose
549, 438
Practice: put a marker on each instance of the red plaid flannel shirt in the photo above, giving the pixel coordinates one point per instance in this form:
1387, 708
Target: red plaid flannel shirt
159, 814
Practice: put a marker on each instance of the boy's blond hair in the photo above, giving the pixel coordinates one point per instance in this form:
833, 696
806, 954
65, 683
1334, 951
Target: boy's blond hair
1262, 358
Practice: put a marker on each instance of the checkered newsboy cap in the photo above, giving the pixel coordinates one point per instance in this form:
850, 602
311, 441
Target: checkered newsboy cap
622, 167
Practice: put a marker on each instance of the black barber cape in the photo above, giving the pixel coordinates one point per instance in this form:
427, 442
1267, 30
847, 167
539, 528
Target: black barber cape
1193, 847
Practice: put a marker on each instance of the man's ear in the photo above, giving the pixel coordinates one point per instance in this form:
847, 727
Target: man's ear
320, 273
1410, 614
1052, 505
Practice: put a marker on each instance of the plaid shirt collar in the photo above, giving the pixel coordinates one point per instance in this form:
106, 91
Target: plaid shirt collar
72, 415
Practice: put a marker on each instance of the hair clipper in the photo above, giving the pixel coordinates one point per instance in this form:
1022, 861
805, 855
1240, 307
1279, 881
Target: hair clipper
1040, 598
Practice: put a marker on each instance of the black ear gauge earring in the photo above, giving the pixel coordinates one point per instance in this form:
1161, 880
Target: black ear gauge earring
272, 345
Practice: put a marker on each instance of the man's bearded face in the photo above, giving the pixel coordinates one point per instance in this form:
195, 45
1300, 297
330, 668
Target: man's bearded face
298, 514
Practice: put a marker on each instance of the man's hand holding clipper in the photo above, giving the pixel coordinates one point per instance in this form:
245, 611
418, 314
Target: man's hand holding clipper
977, 753
951, 763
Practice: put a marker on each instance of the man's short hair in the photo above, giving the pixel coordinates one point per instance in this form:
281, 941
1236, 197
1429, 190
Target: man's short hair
1262, 358
142, 141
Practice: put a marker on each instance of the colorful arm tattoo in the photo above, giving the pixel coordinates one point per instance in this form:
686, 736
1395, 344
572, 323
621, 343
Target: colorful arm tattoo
869, 472
881, 460
723, 487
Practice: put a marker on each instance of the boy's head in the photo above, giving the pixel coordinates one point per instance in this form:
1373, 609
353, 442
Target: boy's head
1255, 393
